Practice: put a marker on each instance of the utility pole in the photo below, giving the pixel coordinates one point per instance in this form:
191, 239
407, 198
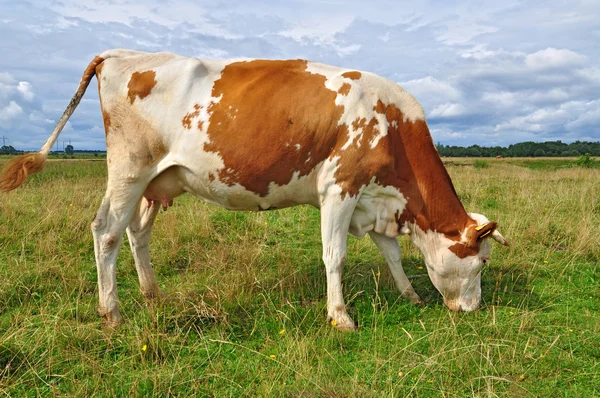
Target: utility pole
4, 140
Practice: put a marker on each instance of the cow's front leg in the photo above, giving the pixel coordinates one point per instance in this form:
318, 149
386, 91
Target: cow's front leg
390, 250
335, 221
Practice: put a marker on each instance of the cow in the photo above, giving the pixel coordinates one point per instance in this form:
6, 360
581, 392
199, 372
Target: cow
257, 134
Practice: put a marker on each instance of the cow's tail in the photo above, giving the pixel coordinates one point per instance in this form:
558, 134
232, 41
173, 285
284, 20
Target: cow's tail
16, 170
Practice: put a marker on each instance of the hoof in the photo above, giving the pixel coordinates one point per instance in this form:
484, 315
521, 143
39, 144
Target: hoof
341, 321
112, 323
414, 298
111, 319
102, 312
155, 294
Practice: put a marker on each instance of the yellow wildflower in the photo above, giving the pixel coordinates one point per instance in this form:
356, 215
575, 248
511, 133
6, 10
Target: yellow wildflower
144, 347
282, 331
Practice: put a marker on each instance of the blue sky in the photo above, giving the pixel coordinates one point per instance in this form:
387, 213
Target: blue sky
486, 72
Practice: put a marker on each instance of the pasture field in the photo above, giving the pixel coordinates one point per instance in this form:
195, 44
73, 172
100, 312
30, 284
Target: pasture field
245, 313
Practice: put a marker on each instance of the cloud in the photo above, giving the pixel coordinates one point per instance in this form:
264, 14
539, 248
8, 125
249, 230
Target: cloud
462, 31
447, 110
480, 71
574, 116
25, 89
429, 88
553, 58
10, 111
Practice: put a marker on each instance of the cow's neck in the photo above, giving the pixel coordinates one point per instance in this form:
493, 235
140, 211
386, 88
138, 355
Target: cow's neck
432, 200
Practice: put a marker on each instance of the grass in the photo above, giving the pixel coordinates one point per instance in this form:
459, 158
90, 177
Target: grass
245, 311
480, 164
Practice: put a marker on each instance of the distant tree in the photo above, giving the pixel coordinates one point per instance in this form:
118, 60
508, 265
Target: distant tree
69, 150
570, 152
473, 151
522, 149
7, 150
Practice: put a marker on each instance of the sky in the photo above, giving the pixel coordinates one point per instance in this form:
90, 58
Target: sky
486, 72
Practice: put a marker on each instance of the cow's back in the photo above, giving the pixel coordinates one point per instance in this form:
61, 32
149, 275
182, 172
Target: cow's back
255, 133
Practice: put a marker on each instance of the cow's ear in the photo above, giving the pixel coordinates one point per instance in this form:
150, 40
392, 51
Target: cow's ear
476, 233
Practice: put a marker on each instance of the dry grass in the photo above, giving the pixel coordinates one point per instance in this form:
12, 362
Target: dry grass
245, 311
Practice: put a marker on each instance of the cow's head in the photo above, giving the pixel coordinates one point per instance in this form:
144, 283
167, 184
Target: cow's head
454, 266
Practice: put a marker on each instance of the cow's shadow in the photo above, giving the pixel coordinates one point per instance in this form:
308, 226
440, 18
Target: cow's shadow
500, 287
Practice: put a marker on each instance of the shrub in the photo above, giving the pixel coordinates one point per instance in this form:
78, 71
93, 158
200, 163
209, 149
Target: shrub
586, 161
480, 164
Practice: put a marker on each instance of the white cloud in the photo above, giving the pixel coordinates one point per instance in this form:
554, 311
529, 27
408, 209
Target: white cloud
503, 99
588, 119
26, 91
553, 58
461, 31
480, 52
431, 87
447, 110
572, 115
6, 78
10, 111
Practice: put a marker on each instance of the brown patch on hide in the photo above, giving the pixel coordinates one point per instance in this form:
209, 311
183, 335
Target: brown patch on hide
345, 89
354, 75
274, 119
462, 251
141, 84
187, 119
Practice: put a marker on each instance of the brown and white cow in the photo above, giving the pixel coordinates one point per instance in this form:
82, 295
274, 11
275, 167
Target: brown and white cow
259, 134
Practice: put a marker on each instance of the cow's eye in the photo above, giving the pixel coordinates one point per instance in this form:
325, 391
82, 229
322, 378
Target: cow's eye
485, 261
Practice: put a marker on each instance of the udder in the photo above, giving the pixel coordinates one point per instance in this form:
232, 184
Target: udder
164, 188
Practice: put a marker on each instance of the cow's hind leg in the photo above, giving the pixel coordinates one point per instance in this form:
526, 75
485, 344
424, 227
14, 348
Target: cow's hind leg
138, 232
335, 221
108, 227
390, 250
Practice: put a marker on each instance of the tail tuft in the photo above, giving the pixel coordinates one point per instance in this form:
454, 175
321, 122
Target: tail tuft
16, 171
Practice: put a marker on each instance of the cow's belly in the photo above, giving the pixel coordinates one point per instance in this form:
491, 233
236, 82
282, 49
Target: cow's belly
378, 209
177, 180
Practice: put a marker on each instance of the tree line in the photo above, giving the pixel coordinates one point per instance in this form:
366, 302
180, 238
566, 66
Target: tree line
523, 149
69, 150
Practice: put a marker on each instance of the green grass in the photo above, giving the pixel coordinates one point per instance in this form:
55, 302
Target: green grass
245, 308
480, 164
